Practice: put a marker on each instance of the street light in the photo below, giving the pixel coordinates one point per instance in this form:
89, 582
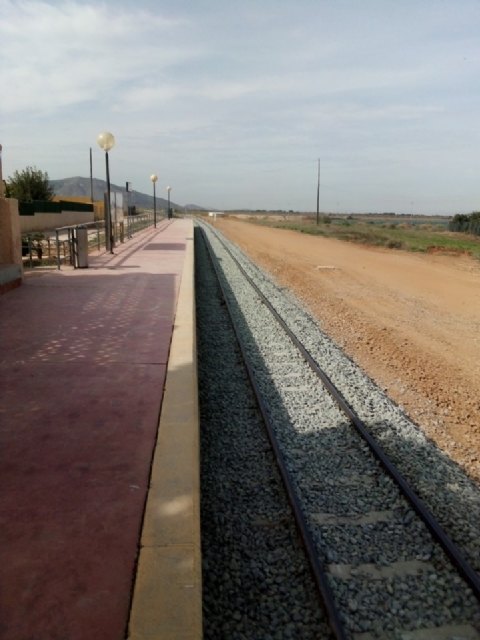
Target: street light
154, 178
168, 194
106, 141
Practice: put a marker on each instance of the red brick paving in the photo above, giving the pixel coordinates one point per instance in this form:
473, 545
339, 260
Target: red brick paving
82, 367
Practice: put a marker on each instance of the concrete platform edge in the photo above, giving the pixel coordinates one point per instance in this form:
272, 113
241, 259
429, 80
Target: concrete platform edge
167, 598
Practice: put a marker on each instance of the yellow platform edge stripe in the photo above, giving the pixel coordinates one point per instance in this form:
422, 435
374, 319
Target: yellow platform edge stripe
167, 598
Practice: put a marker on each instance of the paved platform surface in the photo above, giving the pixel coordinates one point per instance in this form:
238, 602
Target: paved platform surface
82, 367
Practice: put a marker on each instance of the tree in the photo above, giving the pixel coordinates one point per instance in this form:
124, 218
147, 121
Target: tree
468, 223
30, 184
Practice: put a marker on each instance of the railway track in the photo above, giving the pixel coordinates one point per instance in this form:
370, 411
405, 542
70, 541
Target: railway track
385, 566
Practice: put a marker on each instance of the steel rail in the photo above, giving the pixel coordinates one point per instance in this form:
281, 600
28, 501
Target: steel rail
316, 566
451, 549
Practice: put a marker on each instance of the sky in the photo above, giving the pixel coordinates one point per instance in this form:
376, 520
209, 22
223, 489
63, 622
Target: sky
233, 103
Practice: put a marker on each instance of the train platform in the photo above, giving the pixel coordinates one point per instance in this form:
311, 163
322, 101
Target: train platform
99, 491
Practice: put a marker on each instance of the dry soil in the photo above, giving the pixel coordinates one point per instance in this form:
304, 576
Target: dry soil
411, 321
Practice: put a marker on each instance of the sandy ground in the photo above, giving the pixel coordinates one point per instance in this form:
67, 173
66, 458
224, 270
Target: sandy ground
411, 321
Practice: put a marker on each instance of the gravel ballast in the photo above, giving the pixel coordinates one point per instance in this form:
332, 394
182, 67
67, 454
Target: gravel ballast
256, 580
337, 478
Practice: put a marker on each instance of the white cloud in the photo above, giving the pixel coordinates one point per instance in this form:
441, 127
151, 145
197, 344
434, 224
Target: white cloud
55, 55
245, 93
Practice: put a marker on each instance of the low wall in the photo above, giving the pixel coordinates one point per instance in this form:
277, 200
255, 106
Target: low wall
50, 221
10, 241
11, 267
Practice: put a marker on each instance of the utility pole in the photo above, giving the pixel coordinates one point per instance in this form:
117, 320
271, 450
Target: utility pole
2, 185
318, 193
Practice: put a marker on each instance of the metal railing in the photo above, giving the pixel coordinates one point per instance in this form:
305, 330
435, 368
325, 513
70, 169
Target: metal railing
54, 248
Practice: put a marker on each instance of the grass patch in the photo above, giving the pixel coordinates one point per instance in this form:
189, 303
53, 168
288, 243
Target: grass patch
425, 238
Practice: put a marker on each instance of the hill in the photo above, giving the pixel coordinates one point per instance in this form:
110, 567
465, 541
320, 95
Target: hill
80, 187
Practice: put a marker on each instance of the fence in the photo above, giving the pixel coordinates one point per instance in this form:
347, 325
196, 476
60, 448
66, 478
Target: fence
61, 246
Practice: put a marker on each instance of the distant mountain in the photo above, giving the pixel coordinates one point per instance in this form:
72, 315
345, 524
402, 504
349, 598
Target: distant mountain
80, 187
194, 207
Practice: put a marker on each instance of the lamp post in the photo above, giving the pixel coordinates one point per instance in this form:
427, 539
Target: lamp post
154, 179
168, 195
106, 141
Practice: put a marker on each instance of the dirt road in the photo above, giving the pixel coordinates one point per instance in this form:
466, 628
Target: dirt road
411, 321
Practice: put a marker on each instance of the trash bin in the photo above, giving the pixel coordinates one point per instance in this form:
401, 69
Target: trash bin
82, 247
